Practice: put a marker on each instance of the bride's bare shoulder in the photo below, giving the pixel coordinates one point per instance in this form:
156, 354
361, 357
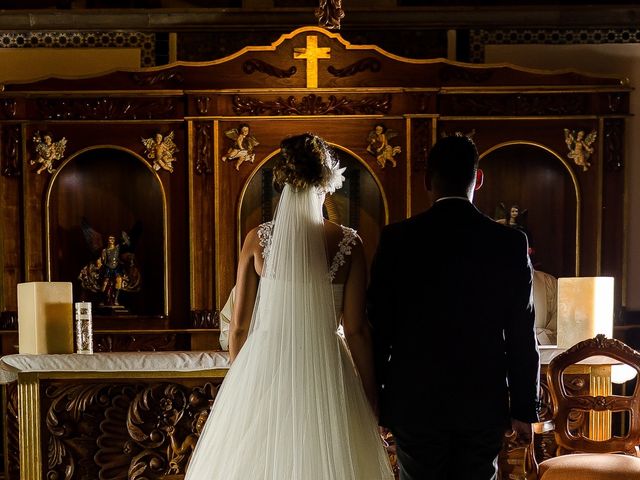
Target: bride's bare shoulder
252, 240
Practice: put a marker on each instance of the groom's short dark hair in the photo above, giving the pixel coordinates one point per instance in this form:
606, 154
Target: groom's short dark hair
453, 162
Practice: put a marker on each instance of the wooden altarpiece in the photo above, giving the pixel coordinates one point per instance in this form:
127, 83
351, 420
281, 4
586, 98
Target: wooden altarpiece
195, 211
181, 155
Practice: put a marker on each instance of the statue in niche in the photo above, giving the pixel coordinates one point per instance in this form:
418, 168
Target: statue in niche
580, 148
47, 151
379, 146
243, 144
161, 150
114, 269
514, 217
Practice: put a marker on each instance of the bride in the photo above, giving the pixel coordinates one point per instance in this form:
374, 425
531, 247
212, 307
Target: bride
298, 403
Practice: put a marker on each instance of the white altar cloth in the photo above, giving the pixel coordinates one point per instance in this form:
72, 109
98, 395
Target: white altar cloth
11, 365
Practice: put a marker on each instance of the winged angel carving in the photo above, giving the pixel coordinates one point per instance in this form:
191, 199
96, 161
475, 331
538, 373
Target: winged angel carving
243, 144
47, 151
161, 151
379, 146
580, 148
114, 268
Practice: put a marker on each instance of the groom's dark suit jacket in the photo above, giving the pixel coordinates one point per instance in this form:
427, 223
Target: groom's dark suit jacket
453, 323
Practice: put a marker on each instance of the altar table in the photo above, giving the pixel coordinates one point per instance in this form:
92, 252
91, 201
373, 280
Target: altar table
97, 416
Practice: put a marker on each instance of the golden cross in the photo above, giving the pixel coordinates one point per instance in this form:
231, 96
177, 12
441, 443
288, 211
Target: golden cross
311, 54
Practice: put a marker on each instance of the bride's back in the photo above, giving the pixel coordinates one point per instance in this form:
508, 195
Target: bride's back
334, 235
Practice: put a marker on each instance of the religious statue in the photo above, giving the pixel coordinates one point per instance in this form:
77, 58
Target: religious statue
114, 268
243, 143
580, 148
329, 14
514, 217
161, 151
47, 151
379, 145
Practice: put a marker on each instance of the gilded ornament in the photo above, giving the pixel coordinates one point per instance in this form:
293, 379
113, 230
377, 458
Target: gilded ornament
47, 152
242, 148
580, 148
161, 150
329, 14
312, 53
379, 146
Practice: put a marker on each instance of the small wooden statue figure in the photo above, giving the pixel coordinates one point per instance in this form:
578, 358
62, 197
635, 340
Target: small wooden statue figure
580, 148
114, 268
161, 151
47, 152
243, 144
379, 145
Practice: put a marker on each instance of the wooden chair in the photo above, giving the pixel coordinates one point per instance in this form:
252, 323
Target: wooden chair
580, 456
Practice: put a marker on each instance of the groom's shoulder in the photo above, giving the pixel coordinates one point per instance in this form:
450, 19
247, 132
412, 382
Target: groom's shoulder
407, 225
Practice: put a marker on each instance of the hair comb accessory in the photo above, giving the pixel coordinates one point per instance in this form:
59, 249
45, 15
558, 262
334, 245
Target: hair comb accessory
334, 179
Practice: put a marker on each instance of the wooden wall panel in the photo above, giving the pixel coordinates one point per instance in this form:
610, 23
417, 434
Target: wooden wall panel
275, 93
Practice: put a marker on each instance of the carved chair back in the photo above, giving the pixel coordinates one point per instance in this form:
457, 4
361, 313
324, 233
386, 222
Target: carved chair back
566, 405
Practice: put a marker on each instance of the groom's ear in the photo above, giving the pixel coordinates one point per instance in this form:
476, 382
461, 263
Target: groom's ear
479, 179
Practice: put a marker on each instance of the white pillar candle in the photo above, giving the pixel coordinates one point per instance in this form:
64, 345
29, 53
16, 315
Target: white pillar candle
585, 309
45, 317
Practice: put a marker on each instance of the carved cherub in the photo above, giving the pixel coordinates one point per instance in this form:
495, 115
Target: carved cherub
379, 147
243, 144
180, 450
161, 151
580, 148
47, 151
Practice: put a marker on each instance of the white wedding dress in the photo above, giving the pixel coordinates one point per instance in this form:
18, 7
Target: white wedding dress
292, 406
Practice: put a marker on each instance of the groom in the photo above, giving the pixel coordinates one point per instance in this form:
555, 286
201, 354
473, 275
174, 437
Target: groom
451, 308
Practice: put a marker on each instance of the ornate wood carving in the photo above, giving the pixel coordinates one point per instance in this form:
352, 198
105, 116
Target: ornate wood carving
135, 342
311, 105
8, 108
105, 430
368, 63
616, 102
204, 133
613, 147
330, 13
421, 143
525, 104
151, 79
205, 319
10, 139
202, 104
106, 108
617, 349
551, 104
257, 65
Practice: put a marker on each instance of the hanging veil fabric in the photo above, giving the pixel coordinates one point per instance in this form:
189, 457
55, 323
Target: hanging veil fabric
292, 406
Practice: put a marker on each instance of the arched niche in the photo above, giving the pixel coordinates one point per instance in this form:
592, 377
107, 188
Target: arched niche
114, 190
542, 184
359, 204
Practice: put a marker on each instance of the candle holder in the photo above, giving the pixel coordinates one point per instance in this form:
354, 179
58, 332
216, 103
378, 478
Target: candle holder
84, 328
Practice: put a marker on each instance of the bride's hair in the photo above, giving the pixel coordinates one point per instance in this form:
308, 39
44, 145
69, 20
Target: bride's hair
304, 161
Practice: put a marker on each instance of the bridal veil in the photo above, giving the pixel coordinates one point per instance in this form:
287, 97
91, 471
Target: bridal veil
292, 406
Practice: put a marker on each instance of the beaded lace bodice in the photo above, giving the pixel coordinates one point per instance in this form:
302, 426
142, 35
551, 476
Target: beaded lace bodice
265, 232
